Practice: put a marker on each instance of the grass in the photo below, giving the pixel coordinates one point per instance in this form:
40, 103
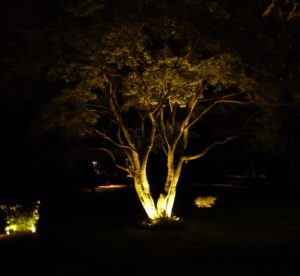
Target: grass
99, 234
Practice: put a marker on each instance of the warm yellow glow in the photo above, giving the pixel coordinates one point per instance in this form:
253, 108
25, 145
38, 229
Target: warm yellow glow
205, 202
161, 205
170, 204
21, 219
11, 227
110, 187
165, 205
151, 212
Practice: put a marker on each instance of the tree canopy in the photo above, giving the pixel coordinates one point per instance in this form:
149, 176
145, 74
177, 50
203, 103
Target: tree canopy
155, 60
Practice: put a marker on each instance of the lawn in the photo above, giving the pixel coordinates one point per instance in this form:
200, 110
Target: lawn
246, 233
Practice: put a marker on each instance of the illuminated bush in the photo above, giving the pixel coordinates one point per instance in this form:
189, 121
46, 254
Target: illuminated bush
19, 218
205, 202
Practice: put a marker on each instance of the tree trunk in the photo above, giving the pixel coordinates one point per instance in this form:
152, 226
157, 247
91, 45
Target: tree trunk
146, 199
165, 202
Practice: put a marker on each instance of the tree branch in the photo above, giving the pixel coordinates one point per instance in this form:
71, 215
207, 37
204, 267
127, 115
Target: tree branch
201, 154
190, 108
161, 102
163, 129
104, 136
222, 100
151, 140
112, 156
115, 109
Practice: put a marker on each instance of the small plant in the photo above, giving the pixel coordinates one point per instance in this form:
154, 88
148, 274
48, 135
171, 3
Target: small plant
19, 218
205, 202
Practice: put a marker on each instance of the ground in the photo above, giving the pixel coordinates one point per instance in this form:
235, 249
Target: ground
248, 232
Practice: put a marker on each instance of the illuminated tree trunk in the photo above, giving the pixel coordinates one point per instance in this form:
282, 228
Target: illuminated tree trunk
163, 207
165, 202
144, 194
162, 120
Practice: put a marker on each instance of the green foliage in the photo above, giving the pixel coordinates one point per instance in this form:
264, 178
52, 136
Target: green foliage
71, 113
147, 66
145, 59
147, 50
19, 218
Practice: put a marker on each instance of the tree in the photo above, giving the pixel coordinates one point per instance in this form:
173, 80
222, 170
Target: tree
145, 89
142, 85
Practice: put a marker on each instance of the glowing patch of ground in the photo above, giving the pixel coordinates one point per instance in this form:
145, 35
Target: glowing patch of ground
104, 188
101, 188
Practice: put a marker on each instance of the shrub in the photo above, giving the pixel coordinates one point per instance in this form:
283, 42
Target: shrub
19, 218
205, 202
